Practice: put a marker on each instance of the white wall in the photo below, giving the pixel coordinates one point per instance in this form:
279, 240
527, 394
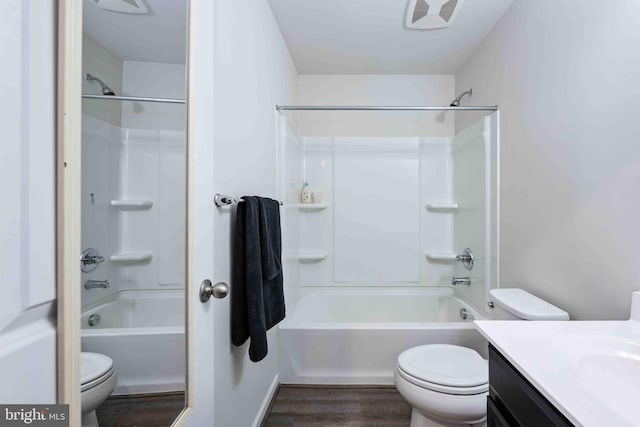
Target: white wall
27, 217
154, 80
107, 66
565, 77
375, 90
253, 73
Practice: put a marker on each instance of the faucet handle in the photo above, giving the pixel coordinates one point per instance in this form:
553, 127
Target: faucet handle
90, 259
466, 258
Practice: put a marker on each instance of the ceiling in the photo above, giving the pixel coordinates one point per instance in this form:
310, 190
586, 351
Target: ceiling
369, 37
159, 36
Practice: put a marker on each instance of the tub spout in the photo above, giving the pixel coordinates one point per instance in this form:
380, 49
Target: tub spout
460, 281
92, 284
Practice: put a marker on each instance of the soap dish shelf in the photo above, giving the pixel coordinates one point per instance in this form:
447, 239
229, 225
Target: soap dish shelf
311, 256
132, 204
131, 257
441, 256
311, 207
442, 207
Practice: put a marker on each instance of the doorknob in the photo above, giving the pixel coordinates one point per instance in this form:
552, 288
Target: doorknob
207, 290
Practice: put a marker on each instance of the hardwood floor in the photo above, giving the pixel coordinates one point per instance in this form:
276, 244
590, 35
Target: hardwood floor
323, 406
141, 410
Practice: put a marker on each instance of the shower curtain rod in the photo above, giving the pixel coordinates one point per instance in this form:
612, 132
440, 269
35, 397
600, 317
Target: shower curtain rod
380, 108
135, 98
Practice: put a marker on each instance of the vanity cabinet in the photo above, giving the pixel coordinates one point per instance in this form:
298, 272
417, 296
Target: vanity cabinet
513, 401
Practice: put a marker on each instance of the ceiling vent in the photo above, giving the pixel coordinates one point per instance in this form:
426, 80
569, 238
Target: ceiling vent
122, 6
432, 14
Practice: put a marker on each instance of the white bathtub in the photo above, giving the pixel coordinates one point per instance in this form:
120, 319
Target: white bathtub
144, 333
355, 336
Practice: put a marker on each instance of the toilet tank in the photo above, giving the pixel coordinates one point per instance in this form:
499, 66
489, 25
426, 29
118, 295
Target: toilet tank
516, 304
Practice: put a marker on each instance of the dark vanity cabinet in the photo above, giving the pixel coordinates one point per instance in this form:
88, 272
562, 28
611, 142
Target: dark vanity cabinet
513, 401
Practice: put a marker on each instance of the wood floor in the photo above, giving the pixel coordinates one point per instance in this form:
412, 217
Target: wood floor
313, 406
142, 410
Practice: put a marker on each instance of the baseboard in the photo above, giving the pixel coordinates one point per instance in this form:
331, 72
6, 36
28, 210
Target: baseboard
266, 403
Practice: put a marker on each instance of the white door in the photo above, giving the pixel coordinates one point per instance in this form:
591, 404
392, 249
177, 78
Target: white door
27, 215
200, 192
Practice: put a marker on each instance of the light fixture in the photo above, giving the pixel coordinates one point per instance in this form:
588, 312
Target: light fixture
431, 14
122, 6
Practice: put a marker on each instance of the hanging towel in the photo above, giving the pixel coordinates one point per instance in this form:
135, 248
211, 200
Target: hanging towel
257, 297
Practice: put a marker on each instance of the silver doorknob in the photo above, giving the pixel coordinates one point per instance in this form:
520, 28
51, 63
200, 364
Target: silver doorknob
207, 290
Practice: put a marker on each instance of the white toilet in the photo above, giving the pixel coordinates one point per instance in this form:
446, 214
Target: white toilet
447, 385
98, 378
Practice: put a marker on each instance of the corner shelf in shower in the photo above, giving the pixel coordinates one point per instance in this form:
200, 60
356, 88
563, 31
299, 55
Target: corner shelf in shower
132, 204
131, 257
441, 256
441, 207
311, 256
309, 207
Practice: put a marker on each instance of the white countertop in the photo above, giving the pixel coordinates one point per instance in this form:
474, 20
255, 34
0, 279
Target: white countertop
589, 370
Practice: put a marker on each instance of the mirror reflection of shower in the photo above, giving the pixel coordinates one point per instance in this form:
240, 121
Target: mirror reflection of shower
106, 90
134, 169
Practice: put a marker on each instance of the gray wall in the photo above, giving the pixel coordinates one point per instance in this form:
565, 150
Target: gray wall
565, 76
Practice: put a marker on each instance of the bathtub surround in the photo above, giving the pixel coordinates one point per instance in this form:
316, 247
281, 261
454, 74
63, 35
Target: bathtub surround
133, 165
570, 178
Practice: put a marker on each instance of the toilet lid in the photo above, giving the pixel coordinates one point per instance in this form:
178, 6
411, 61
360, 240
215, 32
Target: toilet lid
446, 365
94, 366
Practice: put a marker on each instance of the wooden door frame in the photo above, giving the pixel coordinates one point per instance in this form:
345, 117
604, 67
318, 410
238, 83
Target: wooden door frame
68, 212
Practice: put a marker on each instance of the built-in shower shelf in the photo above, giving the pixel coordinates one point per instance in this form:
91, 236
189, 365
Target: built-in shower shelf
441, 256
311, 256
132, 204
131, 257
311, 207
441, 207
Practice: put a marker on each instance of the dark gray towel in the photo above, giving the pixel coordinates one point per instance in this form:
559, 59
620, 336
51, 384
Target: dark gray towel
257, 297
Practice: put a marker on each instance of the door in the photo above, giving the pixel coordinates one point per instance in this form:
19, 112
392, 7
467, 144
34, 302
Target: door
200, 222
27, 216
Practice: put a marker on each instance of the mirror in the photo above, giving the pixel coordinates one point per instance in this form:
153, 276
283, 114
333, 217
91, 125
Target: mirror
134, 184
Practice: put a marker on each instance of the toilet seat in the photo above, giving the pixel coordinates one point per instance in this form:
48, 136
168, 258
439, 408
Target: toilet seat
445, 368
94, 369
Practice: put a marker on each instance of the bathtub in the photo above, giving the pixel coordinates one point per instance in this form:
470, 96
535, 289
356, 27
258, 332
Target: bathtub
144, 333
355, 336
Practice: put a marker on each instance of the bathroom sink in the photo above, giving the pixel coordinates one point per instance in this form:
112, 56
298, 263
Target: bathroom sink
599, 362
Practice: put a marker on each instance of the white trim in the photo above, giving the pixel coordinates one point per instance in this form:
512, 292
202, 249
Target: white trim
68, 212
266, 403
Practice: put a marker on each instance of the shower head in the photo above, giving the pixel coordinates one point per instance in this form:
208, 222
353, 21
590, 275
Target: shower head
456, 102
106, 90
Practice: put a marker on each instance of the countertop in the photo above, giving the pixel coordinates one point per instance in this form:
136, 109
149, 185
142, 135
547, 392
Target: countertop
590, 370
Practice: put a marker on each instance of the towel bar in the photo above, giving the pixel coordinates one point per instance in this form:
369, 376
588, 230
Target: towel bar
223, 200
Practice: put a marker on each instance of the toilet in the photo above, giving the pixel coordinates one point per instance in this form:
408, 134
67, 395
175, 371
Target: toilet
98, 379
447, 385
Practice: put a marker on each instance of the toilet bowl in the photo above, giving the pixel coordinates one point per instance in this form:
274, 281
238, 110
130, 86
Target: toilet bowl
98, 379
447, 385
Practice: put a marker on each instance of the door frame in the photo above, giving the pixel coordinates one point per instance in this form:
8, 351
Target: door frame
68, 176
